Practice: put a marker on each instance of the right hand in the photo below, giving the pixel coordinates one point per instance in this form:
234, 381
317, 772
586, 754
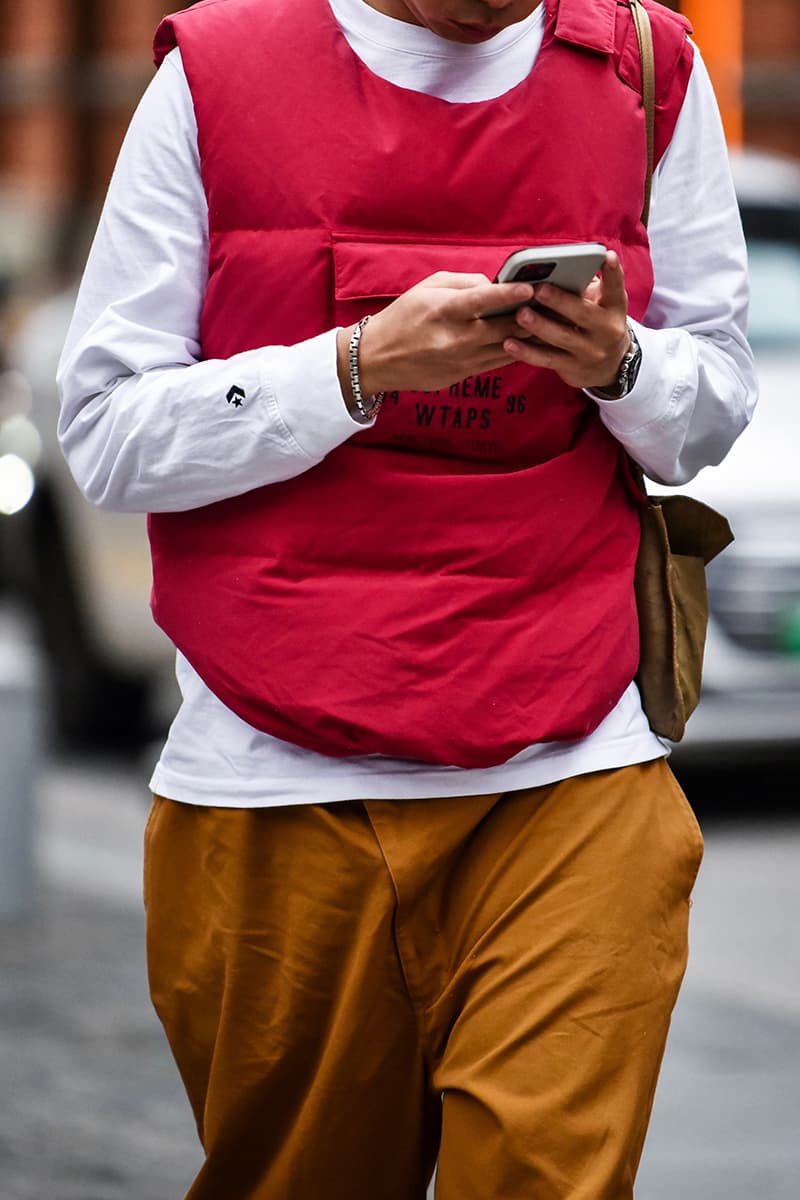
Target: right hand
433, 336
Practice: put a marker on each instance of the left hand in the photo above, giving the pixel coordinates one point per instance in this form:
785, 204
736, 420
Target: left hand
588, 351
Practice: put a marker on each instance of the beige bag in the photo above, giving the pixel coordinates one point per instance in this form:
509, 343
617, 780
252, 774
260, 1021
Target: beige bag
679, 537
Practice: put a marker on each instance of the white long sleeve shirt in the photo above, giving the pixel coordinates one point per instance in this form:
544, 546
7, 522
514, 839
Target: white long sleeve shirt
142, 428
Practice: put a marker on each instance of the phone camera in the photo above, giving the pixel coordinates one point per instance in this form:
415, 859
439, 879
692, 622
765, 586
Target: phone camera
535, 272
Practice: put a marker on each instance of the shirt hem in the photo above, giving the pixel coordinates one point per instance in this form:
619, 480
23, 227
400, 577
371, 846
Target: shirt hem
279, 792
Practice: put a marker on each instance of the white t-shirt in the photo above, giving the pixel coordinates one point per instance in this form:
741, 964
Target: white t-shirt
131, 372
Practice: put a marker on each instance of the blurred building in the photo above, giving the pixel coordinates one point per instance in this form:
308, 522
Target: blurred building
71, 72
772, 74
752, 48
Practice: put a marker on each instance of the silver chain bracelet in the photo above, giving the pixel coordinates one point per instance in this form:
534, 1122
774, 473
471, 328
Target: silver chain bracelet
367, 409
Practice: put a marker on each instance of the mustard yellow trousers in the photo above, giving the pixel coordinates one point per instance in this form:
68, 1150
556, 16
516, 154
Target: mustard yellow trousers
354, 991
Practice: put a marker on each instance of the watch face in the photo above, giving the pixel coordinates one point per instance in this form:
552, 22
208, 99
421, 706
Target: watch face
630, 366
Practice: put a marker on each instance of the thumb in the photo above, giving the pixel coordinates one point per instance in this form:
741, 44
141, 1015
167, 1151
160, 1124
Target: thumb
612, 276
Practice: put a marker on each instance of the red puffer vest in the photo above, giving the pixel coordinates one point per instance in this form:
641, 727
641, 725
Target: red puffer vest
455, 583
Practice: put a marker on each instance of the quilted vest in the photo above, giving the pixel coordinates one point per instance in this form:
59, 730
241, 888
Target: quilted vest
454, 583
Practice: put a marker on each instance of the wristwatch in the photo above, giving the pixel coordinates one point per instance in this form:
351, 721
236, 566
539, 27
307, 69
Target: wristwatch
627, 373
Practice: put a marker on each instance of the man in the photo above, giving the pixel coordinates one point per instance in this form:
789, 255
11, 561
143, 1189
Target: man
417, 873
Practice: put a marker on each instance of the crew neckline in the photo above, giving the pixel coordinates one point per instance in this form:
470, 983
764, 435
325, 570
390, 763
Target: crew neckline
402, 37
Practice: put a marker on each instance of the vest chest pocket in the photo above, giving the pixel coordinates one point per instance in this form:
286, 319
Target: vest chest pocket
369, 273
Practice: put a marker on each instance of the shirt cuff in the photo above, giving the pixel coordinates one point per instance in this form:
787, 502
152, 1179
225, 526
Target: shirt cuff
303, 384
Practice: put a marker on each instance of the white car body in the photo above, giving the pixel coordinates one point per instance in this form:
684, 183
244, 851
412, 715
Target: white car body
751, 679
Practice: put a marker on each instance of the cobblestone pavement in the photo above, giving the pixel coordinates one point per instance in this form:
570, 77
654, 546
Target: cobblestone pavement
91, 1107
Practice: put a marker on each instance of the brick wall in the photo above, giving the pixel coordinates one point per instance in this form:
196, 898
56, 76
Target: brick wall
772, 74
34, 44
771, 77
71, 73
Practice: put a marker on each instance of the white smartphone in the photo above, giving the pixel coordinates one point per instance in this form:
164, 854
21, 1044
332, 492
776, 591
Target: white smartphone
570, 267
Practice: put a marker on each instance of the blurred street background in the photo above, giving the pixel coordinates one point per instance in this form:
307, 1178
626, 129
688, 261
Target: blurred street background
91, 1107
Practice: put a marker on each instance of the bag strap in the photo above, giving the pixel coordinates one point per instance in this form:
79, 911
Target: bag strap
644, 36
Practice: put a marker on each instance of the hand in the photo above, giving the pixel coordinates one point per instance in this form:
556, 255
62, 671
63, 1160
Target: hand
433, 335
588, 351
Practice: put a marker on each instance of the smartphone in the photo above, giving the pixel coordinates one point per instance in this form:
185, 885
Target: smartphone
570, 267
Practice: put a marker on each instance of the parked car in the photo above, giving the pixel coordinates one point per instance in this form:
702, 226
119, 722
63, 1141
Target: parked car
82, 574
85, 574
